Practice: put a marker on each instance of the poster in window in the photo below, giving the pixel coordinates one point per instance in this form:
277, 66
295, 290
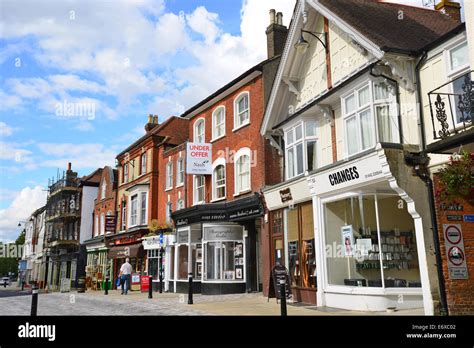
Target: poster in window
198, 255
229, 275
238, 249
347, 240
199, 269
238, 273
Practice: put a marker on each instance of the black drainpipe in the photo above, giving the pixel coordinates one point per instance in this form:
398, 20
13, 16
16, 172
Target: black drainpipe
429, 184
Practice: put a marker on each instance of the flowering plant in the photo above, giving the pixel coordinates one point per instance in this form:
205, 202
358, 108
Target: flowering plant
456, 179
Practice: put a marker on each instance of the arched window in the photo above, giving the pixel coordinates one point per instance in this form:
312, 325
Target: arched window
242, 170
199, 131
103, 189
241, 110
102, 224
218, 179
218, 122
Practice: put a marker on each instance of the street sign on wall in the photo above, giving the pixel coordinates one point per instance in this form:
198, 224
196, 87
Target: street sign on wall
455, 253
199, 158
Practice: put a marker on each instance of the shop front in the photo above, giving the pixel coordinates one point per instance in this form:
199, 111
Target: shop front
160, 250
136, 254
98, 266
291, 237
370, 248
217, 244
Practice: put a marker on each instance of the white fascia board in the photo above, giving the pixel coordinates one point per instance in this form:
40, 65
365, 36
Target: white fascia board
281, 67
353, 33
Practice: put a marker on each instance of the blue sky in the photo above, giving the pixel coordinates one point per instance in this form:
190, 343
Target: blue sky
110, 63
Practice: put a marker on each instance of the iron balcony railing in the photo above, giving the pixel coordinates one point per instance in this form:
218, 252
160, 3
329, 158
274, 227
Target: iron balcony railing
452, 107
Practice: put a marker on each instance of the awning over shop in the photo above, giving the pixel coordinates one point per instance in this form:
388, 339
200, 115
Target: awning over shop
241, 209
131, 250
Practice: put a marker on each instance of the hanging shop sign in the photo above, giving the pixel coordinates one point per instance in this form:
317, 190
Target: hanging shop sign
356, 173
285, 195
199, 158
109, 224
455, 253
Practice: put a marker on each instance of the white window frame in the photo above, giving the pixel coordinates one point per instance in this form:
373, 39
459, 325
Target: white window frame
133, 216
125, 173
305, 138
371, 106
103, 189
215, 125
197, 135
237, 124
169, 176
102, 224
143, 217
195, 188
180, 204
123, 218
180, 172
453, 75
96, 226
218, 162
245, 151
143, 160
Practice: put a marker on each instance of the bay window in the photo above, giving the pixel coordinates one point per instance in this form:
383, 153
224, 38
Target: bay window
133, 210
368, 108
143, 200
218, 122
301, 148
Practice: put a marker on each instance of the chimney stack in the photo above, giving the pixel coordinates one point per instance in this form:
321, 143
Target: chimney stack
276, 34
450, 8
152, 122
69, 166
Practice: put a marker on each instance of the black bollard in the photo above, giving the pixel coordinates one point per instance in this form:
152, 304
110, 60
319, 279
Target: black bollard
150, 287
22, 285
190, 289
106, 286
283, 298
160, 274
34, 301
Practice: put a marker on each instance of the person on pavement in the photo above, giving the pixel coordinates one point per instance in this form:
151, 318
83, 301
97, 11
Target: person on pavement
125, 274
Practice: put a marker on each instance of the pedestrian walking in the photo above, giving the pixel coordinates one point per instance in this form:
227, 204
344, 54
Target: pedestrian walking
125, 274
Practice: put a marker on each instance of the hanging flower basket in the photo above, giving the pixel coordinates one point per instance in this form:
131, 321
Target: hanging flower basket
456, 179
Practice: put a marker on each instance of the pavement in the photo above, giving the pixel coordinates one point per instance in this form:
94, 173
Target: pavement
13, 301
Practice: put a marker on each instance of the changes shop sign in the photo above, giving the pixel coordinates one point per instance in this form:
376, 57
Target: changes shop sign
199, 158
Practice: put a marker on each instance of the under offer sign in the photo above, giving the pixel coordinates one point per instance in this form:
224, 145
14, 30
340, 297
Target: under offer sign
199, 158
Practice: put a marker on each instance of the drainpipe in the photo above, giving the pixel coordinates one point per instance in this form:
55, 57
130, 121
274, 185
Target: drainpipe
425, 176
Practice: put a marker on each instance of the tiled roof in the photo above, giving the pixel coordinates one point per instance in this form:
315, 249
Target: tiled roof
393, 26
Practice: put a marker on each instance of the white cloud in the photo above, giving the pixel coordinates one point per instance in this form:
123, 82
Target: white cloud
80, 155
26, 202
5, 130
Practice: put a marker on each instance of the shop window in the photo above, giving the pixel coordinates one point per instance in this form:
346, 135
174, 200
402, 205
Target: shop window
153, 263
218, 122
370, 241
171, 262
241, 110
224, 261
301, 247
182, 262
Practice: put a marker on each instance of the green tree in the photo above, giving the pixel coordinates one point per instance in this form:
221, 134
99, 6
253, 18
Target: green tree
8, 264
21, 238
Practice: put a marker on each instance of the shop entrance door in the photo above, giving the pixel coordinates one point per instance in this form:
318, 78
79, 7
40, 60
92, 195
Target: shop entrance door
278, 255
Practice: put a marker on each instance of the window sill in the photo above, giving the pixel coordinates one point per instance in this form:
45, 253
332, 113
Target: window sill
242, 192
180, 185
198, 203
241, 126
168, 189
218, 199
215, 139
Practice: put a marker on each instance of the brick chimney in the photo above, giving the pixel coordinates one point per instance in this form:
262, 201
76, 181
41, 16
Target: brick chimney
276, 34
152, 122
450, 8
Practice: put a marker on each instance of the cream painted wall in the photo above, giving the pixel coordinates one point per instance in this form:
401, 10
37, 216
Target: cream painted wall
325, 142
345, 57
408, 106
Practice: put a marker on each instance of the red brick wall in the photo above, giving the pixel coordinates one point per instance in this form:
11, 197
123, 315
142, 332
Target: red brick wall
267, 167
459, 292
107, 204
176, 192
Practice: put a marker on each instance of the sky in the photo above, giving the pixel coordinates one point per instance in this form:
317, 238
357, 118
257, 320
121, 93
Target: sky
79, 77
